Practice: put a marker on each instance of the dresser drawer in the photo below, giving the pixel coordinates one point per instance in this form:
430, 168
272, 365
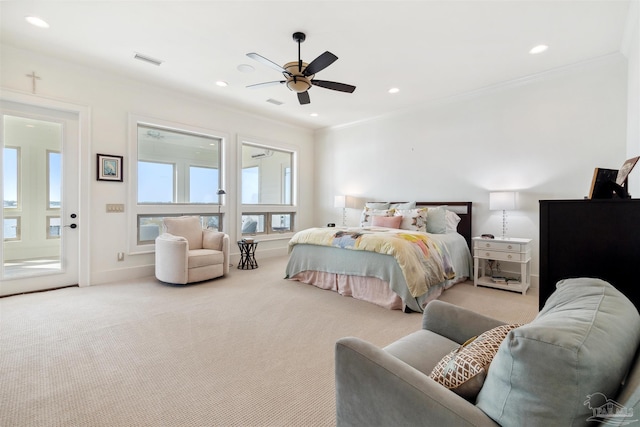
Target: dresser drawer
499, 246
502, 256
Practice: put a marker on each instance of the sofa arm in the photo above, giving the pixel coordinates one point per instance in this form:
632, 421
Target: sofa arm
456, 323
172, 254
373, 388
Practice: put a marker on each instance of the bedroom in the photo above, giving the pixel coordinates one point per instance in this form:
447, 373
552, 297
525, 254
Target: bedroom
541, 134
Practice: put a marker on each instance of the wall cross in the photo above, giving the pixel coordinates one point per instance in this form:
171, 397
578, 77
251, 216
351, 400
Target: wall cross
33, 80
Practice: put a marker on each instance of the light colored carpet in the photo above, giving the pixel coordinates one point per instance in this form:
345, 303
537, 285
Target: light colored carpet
251, 349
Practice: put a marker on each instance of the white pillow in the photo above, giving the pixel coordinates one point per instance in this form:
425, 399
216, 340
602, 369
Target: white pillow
377, 205
413, 219
405, 205
452, 219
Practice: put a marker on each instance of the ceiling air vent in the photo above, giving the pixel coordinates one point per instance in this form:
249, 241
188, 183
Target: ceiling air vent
148, 59
274, 101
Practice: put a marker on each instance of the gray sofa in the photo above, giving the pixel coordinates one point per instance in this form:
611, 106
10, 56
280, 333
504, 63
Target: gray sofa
575, 364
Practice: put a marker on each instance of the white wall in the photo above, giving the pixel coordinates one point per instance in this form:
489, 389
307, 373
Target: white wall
631, 48
111, 98
542, 137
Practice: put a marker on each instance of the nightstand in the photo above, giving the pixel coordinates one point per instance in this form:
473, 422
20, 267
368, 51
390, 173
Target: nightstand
505, 249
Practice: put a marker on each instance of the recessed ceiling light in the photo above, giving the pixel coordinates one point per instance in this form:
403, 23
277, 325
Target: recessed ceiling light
221, 83
539, 49
245, 68
394, 90
314, 114
38, 22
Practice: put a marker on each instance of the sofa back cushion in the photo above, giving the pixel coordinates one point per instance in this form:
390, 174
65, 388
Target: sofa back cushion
580, 345
188, 227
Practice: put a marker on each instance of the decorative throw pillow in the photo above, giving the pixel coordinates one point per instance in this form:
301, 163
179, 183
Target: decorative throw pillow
386, 221
464, 369
413, 219
367, 213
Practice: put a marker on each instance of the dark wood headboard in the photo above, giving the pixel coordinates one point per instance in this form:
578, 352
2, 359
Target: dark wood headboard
463, 209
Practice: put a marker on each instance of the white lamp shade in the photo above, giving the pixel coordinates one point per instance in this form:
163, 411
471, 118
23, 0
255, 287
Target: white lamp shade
502, 200
349, 202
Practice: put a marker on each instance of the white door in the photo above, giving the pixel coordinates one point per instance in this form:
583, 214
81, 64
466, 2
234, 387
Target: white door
40, 188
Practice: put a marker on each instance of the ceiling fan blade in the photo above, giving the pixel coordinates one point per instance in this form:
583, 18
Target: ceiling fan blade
267, 62
303, 97
320, 63
342, 87
265, 84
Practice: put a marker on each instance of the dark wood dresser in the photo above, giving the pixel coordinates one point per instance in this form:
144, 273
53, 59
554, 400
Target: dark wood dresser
590, 238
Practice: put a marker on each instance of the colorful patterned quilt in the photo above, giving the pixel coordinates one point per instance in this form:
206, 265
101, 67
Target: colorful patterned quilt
423, 261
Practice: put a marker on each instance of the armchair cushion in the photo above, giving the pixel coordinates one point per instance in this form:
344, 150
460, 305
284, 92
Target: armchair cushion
187, 226
582, 342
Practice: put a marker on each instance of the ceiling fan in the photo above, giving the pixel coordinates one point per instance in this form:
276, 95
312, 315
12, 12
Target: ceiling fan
300, 76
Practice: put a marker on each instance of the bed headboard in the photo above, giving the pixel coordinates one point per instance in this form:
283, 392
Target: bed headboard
463, 209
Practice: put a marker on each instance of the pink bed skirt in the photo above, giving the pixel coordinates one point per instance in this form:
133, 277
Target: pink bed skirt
370, 289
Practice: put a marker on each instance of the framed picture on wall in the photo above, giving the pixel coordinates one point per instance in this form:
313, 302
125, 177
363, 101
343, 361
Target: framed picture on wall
109, 167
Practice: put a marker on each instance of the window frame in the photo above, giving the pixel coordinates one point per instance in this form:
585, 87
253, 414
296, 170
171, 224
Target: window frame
170, 209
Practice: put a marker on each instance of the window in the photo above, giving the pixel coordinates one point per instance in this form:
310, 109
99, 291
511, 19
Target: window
10, 167
266, 175
11, 228
267, 189
53, 227
176, 170
54, 183
203, 185
150, 226
176, 166
155, 182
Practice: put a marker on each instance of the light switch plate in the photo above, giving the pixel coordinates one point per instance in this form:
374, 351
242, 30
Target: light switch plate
115, 207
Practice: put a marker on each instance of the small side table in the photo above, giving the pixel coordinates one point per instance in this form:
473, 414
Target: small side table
507, 249
247, 255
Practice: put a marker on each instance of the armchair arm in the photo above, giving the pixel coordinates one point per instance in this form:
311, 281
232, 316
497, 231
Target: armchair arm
456, 323
373, 388
219, 241
172, 258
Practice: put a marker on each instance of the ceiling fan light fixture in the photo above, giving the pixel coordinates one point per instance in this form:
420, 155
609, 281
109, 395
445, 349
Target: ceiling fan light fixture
296, 81
298, 84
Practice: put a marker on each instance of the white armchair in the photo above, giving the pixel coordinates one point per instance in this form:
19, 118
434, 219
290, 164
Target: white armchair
187, 253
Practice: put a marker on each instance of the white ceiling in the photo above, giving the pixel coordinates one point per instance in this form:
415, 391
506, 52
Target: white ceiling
429, 49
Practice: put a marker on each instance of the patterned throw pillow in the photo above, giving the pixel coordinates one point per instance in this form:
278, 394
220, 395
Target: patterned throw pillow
413, 219
367, 213
464, 369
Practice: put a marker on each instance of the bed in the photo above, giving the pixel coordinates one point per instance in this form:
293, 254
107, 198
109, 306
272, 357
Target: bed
341, 259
